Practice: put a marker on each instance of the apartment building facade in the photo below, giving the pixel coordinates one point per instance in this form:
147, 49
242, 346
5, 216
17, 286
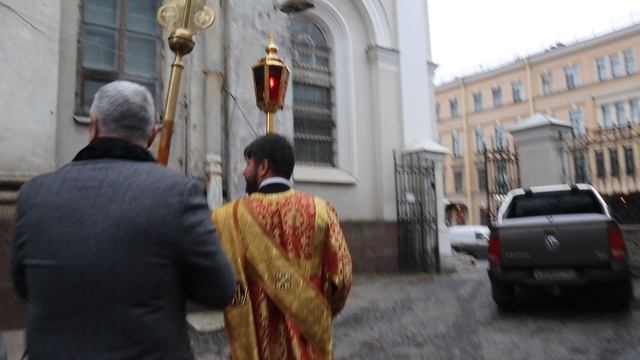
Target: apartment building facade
594, 85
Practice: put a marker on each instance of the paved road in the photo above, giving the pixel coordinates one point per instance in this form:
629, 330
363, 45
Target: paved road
453, 317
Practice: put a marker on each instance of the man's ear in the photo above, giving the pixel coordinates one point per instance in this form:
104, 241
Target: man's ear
264, 168
94, 129
154, 132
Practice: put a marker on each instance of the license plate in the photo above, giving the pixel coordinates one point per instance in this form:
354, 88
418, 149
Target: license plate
555, 274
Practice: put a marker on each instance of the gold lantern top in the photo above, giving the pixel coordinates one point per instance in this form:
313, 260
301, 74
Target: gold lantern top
270, 77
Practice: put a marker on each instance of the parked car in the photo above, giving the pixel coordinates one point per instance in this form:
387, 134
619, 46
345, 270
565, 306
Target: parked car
471, 239
556, 236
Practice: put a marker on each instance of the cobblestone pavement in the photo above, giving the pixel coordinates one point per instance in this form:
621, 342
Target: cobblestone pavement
453, 317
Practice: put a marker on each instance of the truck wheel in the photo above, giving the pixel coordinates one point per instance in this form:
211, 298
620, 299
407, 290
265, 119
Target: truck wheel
503, 295
622, 294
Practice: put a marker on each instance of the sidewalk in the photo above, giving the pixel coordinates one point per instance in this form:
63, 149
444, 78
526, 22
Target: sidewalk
208, 339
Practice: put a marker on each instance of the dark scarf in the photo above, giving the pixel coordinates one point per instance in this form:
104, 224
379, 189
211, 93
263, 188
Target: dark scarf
113, 148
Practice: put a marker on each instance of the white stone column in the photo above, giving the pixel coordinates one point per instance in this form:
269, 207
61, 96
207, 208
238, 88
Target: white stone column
541, 158
387, 127
415, 55
214, 181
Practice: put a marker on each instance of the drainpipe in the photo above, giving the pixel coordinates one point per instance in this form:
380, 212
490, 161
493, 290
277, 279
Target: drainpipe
467, 152
529, 85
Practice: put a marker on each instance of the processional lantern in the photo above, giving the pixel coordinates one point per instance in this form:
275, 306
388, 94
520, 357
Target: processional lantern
270, 77
183, 19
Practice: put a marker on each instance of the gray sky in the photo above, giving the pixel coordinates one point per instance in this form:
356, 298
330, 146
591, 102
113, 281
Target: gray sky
467, 35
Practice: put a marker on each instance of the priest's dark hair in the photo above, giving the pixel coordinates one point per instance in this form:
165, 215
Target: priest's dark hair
277, 150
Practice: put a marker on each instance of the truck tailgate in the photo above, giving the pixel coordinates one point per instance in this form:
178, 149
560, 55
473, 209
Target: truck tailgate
577, 240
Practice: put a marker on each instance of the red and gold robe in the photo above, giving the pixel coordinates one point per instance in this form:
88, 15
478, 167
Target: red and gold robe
294, 271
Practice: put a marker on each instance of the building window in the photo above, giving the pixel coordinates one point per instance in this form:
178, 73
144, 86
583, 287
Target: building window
616, 65
517, 91
629, 62
577, 122
477, 101
601, 67
572, 77
547, 82
600, 164
501, 137
607, 120
580, 166
496, 93
502, 178
119, 40
620, 116
313, 123
482, 179
438, 111
613, 162
457, 181
480, 144
453, 108
634, 110
628, 160
455, 144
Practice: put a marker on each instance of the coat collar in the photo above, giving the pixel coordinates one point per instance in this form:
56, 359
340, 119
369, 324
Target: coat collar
113, 148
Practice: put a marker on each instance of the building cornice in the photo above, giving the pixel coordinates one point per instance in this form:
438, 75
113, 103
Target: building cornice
541, 57
384, 57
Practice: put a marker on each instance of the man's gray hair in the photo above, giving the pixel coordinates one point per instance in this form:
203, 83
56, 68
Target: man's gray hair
124, 109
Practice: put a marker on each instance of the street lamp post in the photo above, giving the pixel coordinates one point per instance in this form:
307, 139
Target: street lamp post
183, 19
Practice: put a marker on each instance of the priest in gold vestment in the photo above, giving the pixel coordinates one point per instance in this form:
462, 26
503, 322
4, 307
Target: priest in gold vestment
291, 259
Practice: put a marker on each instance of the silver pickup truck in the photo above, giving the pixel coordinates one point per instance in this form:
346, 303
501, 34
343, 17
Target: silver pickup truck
557, 235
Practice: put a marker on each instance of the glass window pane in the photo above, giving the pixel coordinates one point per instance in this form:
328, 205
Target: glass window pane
305, 57
322, 60
141, 56
312, 124
314, 151
306, 31
141, 15
101, 12
99, 50
89, 89
311, 95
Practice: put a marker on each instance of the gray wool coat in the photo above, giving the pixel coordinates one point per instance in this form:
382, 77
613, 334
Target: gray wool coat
106, 251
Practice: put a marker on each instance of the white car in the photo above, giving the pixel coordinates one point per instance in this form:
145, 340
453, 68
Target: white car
472, 239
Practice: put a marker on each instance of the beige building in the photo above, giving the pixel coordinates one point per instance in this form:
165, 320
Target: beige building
594, 85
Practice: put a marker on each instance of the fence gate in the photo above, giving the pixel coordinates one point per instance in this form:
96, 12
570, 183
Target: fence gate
602, 157
416, 204
502, 175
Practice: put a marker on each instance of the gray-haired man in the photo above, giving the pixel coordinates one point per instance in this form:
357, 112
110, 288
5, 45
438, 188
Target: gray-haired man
108, 247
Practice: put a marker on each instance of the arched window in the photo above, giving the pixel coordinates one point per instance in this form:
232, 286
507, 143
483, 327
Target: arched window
313, 119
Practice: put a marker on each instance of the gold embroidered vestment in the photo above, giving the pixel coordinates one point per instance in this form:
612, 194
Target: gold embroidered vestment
294, 272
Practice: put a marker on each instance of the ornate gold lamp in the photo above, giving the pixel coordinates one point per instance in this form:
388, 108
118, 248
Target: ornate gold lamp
270, 77
183, 19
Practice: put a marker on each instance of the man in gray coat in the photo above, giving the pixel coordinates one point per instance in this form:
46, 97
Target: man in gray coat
108, 247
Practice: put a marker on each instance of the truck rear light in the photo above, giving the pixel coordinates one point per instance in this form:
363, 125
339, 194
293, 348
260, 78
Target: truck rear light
616, 243
494, 248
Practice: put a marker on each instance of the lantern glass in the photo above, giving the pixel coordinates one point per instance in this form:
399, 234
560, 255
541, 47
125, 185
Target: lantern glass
275, 75
258, 80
